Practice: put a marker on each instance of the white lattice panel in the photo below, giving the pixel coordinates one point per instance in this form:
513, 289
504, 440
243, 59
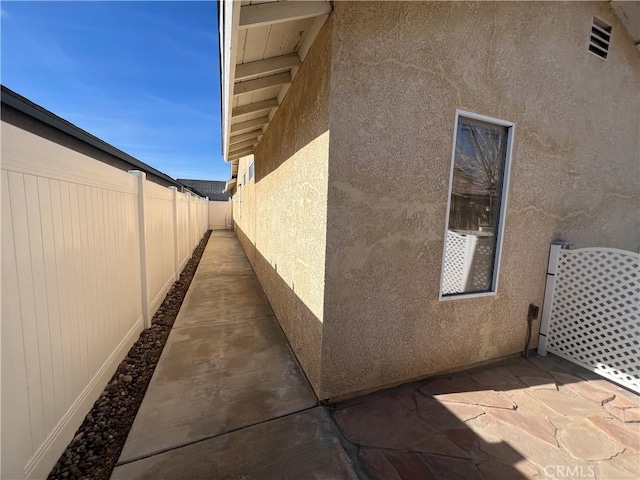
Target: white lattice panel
595, 316
480, 275
457, 263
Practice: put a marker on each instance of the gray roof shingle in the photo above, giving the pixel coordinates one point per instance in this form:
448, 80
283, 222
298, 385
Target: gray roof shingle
210, 188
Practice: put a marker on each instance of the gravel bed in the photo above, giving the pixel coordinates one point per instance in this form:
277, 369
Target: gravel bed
96, 446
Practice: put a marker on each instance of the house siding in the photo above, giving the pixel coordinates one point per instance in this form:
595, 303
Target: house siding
281, 222
399, 71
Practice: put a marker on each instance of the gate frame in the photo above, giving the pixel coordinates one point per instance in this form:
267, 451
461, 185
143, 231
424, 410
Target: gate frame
547, 305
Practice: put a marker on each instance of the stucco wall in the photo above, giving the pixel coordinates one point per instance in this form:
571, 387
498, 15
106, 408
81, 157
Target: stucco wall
399, 71
282, 225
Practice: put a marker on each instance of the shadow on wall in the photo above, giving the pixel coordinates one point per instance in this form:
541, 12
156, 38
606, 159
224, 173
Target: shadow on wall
385, 427
301, 326
292, 205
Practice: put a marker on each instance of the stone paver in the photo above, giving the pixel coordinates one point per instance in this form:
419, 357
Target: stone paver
539, 383
512, 445
546, 419
604, 384
499, 471
627, 435
624, 409
395, 465
456, 384
469, 441
563, 404
487, 398
454, 469
622, 467
586, 443
296, 447
585, 389
445, 416
528, 405
538, 427
497, 378
228, 398
384, 422
525, 368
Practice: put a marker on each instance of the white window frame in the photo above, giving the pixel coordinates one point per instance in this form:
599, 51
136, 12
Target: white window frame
511, 130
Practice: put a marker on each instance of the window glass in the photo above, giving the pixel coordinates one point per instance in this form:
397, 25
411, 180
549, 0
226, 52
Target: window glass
251, 171
475, 206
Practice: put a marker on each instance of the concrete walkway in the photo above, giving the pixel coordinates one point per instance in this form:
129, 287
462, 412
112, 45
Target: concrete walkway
228, 399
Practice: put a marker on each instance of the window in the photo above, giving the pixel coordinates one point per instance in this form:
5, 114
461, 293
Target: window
244, 178
251, 171
476, 207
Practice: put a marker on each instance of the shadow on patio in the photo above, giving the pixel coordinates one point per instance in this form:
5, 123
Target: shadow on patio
515, 419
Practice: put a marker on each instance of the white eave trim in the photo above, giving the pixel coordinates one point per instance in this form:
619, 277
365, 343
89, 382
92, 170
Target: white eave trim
231, 18
230, 184
262, 74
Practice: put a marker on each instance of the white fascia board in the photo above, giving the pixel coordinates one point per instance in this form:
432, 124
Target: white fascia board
231, 19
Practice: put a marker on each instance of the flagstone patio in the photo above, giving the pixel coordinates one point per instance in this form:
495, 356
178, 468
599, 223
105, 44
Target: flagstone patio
517, 419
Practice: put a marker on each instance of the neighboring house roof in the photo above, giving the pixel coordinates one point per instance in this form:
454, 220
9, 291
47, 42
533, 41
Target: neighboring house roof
214, 189
123, 160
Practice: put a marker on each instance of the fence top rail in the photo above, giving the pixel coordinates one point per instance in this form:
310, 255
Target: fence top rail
574, 251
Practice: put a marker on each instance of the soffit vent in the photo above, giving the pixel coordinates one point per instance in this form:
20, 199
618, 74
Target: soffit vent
600, 38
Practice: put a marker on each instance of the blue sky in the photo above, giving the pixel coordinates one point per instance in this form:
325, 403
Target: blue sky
142, 76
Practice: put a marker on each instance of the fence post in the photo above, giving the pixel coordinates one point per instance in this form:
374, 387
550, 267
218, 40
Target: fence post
552, 268
176, 256
189, 226
206, 219
143, 245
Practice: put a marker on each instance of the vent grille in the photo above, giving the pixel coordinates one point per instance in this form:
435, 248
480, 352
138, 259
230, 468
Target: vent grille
600, 38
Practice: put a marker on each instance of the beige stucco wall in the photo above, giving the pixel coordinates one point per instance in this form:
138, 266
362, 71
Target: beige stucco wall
282, 225
398, 73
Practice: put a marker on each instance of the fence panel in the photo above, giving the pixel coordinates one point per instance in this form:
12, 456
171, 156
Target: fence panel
593, 313
159, 227
183, 229
193, 224
80, 238
218, 215
71, 295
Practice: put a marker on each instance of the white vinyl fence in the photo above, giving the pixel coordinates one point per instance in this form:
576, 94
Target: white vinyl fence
88, 254
591, 313
220, 215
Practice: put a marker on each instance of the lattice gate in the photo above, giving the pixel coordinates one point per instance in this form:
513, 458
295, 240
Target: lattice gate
591, 313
